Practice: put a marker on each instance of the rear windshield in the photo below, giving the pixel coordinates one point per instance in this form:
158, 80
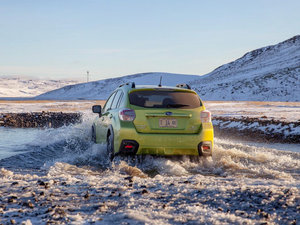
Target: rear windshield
164, 99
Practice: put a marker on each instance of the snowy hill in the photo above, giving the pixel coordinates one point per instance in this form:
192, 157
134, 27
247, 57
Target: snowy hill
26, 87
267, 74
102, 89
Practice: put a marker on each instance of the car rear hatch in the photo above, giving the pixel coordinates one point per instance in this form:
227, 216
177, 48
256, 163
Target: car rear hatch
166, 111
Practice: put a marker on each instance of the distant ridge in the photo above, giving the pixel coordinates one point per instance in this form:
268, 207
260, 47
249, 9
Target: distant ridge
17, 87
102, 88
270, 73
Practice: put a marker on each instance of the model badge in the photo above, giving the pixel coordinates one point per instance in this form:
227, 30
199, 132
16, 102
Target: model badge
168, 113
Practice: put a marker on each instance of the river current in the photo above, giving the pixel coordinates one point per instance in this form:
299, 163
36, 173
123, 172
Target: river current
241, 183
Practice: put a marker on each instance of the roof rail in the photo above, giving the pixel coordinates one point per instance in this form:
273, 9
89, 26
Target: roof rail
129, 83
186, 86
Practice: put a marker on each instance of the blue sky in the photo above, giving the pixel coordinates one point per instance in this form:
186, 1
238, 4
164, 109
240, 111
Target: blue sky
63, 39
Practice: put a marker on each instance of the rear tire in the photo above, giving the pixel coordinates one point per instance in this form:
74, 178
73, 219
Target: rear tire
93, 134
110, 147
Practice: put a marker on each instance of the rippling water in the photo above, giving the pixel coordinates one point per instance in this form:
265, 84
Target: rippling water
13, 141
33, 149
180, 190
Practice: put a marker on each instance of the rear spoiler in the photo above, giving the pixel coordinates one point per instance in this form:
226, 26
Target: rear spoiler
129, 83
186, 86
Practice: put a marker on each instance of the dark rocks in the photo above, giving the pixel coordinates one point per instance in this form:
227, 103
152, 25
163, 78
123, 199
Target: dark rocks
130, 179
12, 199
41, 183
39, 119
14, 183
3, 206
87, 195
49, 210
144, 191
25, 188
59, 212
28, 204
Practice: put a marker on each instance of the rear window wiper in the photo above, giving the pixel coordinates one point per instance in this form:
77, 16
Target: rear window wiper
175, 105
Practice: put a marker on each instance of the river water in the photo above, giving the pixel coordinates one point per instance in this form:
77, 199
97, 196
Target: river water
14, 141
242, 183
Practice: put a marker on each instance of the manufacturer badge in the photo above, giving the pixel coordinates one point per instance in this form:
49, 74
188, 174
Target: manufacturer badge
168, 113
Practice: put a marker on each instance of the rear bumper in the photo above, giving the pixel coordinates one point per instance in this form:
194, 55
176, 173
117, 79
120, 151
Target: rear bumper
166, 144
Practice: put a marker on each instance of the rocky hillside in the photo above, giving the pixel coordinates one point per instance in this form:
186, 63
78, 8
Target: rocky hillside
266, 74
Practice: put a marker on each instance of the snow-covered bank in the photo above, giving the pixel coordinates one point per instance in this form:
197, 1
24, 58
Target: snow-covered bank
283, 111
257, 128
261, 121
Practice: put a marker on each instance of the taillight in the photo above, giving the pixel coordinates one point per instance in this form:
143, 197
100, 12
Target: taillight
128, 146
205, 116
127, 114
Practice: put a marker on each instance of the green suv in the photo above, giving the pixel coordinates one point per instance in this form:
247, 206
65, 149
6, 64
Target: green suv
154, 120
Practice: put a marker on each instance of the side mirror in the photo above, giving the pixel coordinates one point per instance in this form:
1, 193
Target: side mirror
97, 109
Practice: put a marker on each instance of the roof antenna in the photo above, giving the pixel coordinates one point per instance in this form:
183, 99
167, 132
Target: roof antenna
160, 81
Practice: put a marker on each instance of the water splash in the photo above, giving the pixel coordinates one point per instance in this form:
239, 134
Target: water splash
72, 145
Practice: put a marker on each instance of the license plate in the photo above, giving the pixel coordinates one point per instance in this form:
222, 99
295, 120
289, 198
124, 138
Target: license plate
166, 122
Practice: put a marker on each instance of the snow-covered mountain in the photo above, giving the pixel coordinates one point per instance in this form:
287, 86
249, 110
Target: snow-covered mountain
27, 87
266, 74
102, 89
270, 73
